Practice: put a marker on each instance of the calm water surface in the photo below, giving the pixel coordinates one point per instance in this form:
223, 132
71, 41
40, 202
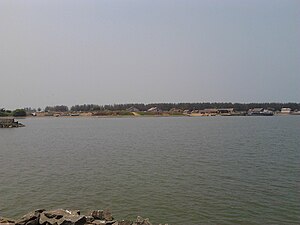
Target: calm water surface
219, 170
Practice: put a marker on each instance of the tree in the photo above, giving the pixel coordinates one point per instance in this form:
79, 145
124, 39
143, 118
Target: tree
19, 112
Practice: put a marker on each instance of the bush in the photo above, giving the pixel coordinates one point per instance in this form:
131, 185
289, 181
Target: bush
149, 113
3, 114
124, 113
19, 112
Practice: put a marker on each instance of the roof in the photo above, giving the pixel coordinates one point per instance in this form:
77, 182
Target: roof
257, 109
153, 108
210, 110
229, 109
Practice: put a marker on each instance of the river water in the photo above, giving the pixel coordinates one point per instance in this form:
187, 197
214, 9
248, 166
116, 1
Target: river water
176, 170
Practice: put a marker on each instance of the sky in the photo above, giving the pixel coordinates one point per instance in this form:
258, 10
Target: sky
145, 51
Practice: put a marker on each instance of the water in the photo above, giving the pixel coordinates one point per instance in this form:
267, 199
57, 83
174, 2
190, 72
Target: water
218, 170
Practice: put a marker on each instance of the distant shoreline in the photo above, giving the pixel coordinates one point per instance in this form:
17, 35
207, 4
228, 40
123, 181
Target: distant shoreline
148, 116
159, 110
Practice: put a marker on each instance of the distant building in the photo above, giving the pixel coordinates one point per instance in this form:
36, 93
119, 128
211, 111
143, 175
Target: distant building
285, 111
132, 109
154, 109
208, 112
256, 110
186, 111
174, 110
296, 112
226, 111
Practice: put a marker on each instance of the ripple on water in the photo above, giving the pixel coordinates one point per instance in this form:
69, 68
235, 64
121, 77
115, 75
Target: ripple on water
236, 170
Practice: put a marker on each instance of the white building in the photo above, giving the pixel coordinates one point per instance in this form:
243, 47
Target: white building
285, 110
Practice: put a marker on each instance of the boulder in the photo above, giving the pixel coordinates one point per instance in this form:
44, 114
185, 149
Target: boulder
6, 221
97, 214
141, 221
107, 215
101, 215
125, 222
98, 222
61, 217
110, 222
89, 219
31, 218
73, 220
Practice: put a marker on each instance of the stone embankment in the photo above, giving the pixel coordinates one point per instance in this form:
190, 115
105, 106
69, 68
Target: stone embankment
8, 122
71, 217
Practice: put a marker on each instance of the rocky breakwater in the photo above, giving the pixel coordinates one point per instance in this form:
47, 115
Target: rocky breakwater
71, 217
8, 122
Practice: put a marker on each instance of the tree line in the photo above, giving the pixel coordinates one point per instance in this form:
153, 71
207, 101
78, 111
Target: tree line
145, 107
169, 106
16, 113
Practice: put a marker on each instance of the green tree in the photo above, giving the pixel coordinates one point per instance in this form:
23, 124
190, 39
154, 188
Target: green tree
19, 112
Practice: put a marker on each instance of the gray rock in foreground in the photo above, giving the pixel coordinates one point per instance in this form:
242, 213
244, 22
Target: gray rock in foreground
61, 217
6, 221
71, 217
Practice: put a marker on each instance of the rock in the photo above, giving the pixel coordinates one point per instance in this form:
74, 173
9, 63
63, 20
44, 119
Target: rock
39, 210
89, 219
110, 222
6, 221
103, 222
98, 222
141, 221
125, 222
73, 220
58, 213
107, 215
71, 217
31, 218
101, 215
62, 217
45, 220
97, 214
73, 212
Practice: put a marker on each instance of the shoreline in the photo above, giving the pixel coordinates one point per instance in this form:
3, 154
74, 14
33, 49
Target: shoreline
150, 116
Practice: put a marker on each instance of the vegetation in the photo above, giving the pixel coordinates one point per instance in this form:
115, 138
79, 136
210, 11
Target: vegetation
57, 108
122, 109
149, 113
123, 113
16, 113
185, 106
19, 112
112, 113
87, 108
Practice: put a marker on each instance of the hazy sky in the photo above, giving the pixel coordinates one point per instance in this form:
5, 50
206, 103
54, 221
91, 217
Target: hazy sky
124, 51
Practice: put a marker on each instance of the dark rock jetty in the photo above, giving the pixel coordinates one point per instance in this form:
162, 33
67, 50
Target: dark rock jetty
71, 217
